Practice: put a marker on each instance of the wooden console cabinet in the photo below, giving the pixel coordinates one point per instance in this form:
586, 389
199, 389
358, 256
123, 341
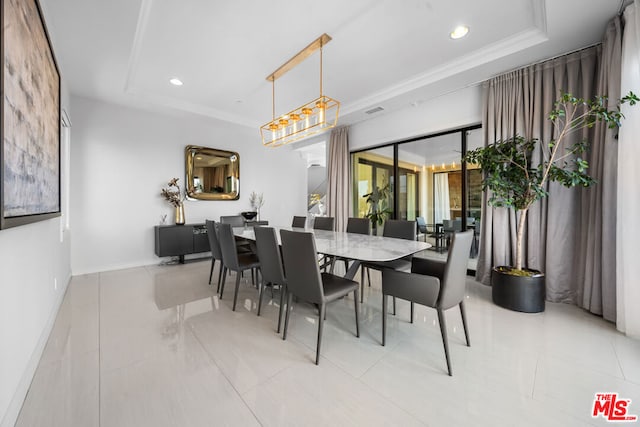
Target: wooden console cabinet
181, 240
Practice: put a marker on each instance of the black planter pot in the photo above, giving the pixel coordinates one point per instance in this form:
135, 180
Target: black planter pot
518, 293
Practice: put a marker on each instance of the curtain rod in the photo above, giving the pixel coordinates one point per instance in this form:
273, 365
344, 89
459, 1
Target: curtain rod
542, 61
621, 8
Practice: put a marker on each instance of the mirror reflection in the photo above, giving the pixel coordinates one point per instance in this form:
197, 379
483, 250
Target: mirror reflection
212, 174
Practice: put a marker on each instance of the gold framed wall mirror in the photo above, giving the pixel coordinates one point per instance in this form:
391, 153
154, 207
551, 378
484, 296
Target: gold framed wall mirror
212, 174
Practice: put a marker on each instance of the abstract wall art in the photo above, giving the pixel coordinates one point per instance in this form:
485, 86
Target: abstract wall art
30, 118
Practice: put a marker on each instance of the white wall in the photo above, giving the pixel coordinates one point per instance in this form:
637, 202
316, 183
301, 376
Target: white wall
122, 157
33, 256
34, 274
454, 110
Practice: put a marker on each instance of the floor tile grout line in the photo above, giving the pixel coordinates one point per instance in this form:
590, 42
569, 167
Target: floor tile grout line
383, 397
212, 359
615, 352
584, 366
345, 372
535, 376
385, 354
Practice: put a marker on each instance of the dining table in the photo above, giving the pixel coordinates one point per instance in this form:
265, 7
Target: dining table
357, 247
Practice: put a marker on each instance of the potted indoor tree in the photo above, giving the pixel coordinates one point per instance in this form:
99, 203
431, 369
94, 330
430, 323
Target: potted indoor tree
514, 182
378, 201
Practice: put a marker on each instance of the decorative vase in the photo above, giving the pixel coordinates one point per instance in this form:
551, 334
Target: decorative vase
180, 214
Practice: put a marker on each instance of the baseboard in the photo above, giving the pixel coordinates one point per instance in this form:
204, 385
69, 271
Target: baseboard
140, 263
13, 411
113, 267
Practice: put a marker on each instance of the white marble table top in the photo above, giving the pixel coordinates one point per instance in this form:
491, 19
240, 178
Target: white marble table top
360, 247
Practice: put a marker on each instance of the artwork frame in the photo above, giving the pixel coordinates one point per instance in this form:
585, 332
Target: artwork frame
30, 107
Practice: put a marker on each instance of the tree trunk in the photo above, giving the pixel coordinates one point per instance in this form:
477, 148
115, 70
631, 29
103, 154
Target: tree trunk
521, 224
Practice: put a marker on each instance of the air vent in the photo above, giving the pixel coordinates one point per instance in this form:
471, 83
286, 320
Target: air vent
374, 110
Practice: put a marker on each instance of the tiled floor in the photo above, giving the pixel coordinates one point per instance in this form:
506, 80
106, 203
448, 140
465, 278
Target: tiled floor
154, 346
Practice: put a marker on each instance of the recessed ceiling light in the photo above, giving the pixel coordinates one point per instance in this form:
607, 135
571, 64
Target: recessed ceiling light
176, 82
459, 32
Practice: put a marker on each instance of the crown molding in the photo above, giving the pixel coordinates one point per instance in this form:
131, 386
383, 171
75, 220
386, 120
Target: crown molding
525, 39
536, 34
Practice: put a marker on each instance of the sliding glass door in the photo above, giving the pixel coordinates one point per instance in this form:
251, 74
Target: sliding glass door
373, 183
436, 169
474, 179
432, 183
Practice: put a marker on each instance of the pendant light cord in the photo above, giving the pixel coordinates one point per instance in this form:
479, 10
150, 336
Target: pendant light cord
321, 69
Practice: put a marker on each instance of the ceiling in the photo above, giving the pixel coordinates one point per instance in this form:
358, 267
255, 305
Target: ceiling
384, 53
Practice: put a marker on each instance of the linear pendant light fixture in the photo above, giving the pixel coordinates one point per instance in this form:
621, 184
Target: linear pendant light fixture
311, 118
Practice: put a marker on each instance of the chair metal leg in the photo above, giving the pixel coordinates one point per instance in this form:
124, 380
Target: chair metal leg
323, 312
362, 283
464, 323
221, 267
213, 263
282, 294
224, 279
355, 300
445, 341
394, 306
286, 319
260, 294
235, 295
384, 319
411, 311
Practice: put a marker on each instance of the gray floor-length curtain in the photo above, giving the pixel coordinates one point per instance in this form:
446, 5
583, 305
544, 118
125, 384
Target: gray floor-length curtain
338, 183
596, 257
559, 239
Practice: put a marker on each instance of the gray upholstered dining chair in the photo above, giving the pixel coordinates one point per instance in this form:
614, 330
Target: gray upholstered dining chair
324, 223
233, 261
271, 268
299, 221
243, 245
422, 224
234, 220
355, 226
216, 252
305, 281
450, 227
422, 227
359, 225
433, 283
399, 229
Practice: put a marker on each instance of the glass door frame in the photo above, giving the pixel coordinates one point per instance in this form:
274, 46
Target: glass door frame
396, 169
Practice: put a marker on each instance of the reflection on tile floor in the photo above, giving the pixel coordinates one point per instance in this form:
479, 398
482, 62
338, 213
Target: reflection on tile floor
154, 346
